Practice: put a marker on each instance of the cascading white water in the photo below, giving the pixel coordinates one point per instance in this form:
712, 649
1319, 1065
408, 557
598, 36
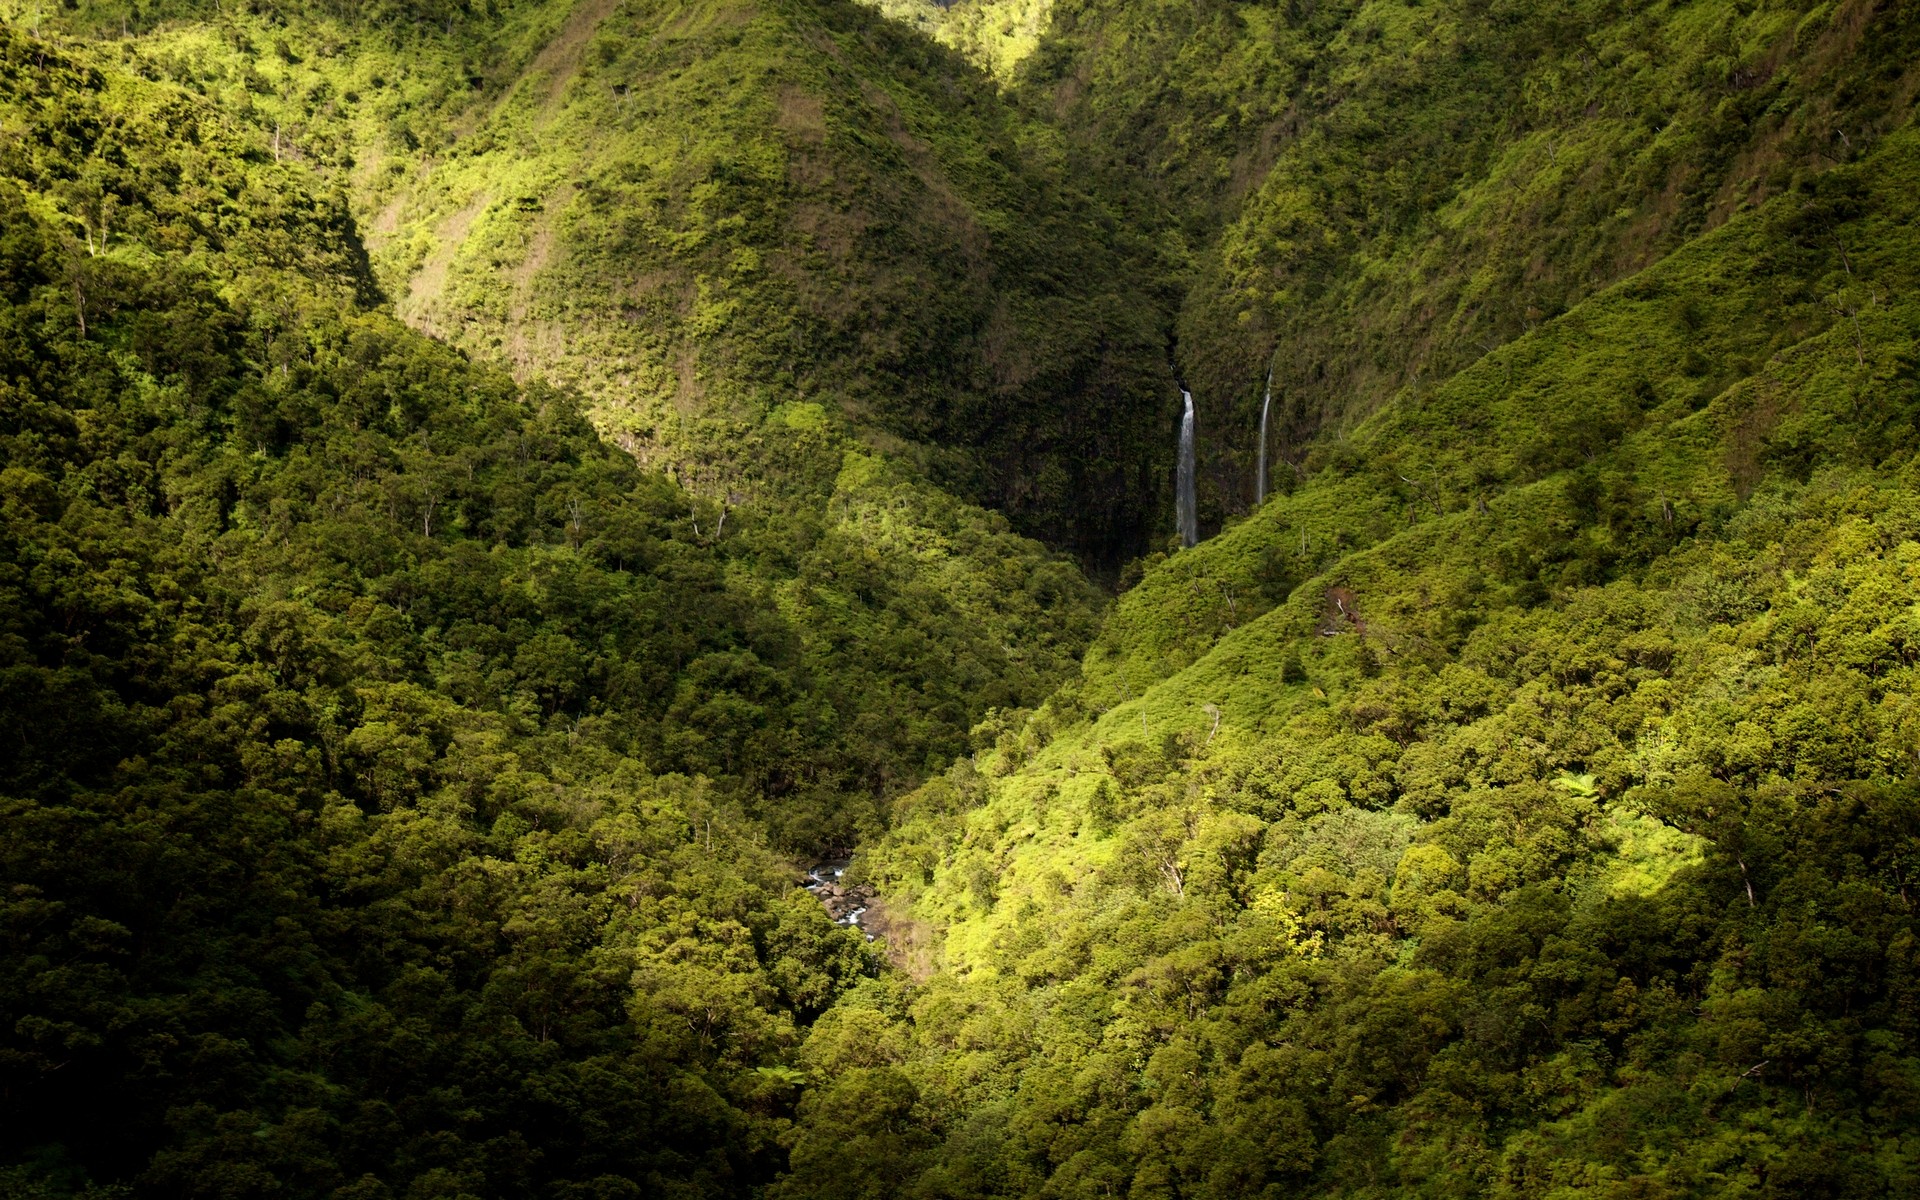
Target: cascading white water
1260, 475
1184, 508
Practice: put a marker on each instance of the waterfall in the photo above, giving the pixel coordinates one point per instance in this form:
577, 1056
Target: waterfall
1184, 508
1260, 475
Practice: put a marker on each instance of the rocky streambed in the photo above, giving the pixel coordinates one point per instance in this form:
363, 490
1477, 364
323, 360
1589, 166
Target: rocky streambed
847, 905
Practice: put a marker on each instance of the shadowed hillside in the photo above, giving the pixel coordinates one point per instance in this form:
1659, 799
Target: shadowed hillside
696, 212
1375, 196
1524, 805
497, 493
398, 777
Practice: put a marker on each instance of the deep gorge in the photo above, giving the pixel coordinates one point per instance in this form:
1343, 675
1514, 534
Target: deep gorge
1006, 599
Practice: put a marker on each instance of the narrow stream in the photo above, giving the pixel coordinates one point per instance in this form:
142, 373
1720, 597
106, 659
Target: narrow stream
846, 905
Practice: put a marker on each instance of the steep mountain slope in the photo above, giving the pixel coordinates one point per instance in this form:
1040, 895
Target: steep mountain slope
1554, 835
395, 771
837, 518
1378, 194
696, 212
404, 736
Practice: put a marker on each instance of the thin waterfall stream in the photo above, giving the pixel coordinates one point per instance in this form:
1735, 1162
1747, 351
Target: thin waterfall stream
1260, 473
1185, 510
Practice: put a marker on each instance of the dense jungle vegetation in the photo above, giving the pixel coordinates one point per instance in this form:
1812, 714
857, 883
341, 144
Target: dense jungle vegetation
492, 489
694, 214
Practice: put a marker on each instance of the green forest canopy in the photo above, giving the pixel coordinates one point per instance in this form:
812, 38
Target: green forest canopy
433, 627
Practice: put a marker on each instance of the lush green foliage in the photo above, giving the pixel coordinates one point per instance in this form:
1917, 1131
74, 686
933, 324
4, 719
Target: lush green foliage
1376, 194
695, 213
1551, 831
397, 771
391, 765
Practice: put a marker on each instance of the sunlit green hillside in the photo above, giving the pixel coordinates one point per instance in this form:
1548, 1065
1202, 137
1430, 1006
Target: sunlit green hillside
1376, 195
695, 213
399, 778
1521, 806
498, 492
